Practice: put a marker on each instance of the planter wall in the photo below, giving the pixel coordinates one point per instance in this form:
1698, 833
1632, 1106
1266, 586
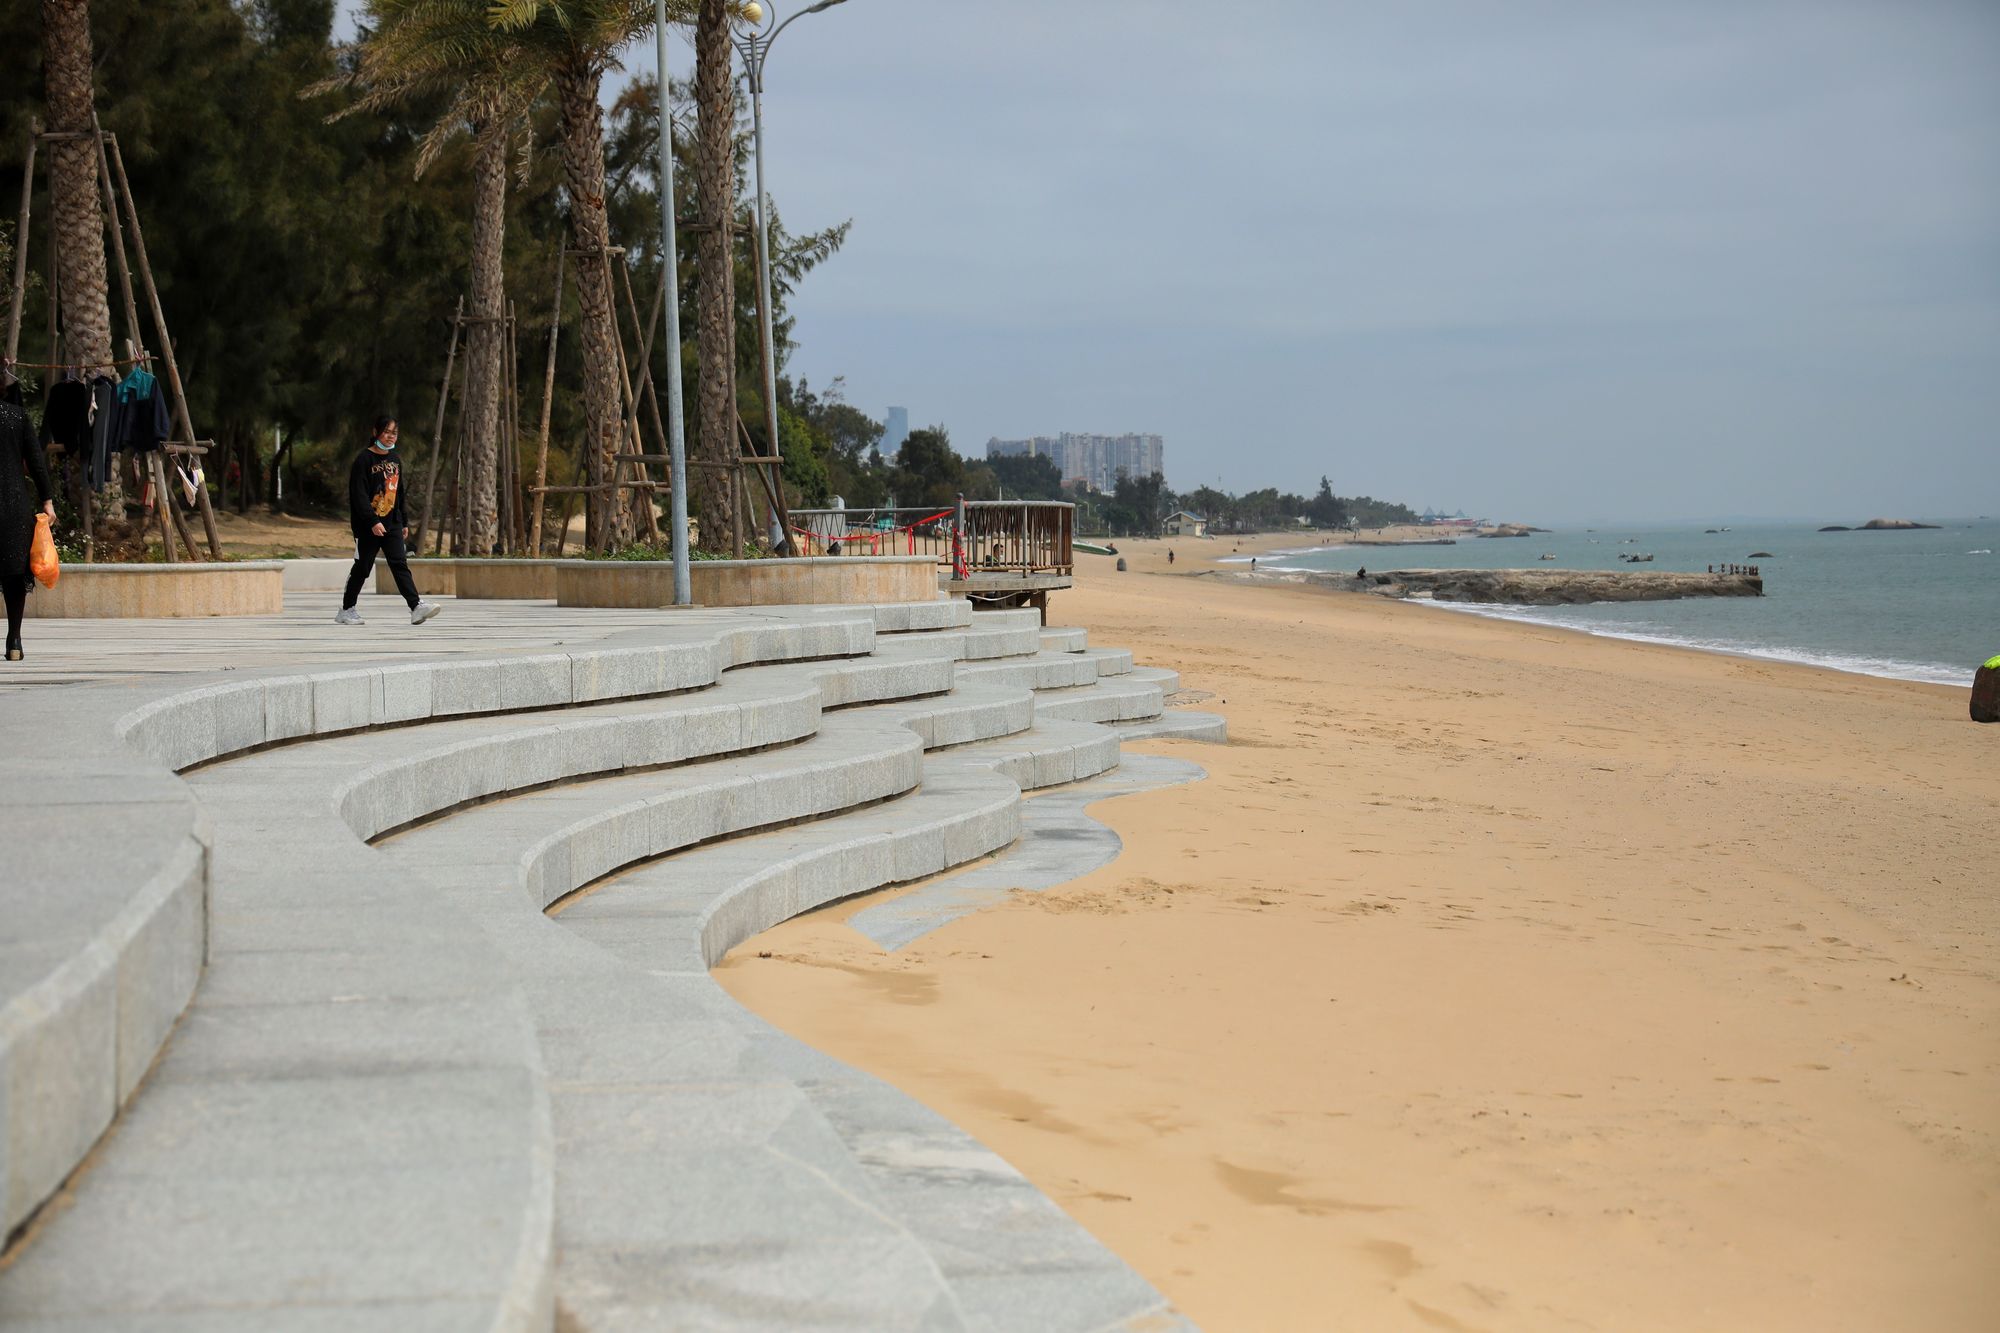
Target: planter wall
158, 592
821, 582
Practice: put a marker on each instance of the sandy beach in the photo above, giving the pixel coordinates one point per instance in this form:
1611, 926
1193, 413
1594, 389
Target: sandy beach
1498, 977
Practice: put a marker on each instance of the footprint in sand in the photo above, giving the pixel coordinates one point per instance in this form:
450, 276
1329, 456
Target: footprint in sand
1277, 1188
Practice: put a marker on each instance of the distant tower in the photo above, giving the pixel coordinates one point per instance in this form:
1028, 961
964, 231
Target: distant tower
895, 429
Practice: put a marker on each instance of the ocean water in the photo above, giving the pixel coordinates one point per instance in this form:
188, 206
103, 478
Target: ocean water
1919, 605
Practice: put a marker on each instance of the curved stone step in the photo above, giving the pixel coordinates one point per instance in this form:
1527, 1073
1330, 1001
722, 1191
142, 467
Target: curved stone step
1043, 671
968, 645
904, 617
617, 1124
340, 1016
1177, 724
1120, 699
1065, 640
1110, 661
754, 1175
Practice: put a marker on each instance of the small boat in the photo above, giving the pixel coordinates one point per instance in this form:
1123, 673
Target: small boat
1546, 556
1092, 548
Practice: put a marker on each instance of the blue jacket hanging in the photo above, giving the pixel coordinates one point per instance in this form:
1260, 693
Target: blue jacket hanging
139, 422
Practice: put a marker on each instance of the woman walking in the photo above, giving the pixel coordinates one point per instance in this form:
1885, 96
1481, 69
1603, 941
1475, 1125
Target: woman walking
19, 448
375, 511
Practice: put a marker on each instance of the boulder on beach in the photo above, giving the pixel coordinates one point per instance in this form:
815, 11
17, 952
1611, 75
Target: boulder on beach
1986, 692
1892, 525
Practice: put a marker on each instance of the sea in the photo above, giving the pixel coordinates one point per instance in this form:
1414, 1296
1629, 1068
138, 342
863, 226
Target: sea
1918, 604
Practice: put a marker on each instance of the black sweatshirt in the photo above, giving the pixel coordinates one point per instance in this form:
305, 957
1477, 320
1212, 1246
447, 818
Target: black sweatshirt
375, 493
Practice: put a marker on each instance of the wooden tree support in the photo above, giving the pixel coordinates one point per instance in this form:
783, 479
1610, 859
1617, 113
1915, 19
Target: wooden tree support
115, 188
454, 523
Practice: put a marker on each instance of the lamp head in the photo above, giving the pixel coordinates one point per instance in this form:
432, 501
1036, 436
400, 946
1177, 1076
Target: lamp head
753, 13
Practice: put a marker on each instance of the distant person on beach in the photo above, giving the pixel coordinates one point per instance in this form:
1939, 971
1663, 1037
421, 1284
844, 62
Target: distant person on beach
1361, 573
1253, 564
1170, 555
375, 512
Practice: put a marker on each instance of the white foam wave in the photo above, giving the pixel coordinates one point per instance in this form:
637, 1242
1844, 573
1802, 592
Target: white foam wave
1262, 556
1930, 673
1984, 550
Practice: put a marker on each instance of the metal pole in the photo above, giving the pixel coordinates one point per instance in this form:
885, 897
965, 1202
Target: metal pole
671, 289
767, 350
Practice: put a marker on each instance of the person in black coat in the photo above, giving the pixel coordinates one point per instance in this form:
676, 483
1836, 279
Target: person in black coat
19, 450
375, 512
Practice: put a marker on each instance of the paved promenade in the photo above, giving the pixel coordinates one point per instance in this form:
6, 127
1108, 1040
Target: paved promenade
361, 975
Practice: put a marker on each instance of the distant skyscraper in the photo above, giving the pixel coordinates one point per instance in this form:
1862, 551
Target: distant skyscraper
895, 429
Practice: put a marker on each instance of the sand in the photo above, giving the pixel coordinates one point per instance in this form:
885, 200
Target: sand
1498, 977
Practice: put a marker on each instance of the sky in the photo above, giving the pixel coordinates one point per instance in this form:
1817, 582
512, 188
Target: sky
1539, 261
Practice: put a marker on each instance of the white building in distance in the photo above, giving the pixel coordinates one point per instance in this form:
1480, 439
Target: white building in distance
1092, 460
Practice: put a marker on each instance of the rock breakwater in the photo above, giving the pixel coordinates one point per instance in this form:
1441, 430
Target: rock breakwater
1544, 587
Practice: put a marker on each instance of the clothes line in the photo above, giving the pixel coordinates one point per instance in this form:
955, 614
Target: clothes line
78, 365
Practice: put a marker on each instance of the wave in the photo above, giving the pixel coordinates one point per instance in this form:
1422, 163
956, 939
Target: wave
1984, 550
1262, 556
1929, 673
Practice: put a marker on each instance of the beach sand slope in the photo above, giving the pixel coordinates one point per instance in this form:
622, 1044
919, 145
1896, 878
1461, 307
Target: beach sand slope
1498, 978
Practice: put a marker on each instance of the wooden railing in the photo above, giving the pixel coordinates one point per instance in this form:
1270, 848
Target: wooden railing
1014, 536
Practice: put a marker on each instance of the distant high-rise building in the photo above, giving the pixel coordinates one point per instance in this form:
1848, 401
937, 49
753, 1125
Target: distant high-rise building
1092, 460
895, 429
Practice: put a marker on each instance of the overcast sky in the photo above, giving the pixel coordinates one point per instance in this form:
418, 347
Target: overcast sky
1536, 260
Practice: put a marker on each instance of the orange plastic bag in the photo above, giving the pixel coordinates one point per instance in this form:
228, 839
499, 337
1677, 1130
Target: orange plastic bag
42, 554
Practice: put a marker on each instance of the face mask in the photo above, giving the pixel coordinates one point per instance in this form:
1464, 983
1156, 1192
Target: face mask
385, 446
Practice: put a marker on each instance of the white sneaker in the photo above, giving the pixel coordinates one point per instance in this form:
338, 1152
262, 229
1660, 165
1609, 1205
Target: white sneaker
348, 616
423, 611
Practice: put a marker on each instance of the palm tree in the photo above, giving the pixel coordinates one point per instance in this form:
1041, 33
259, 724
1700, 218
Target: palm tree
513, 49
76, 204
418, 49
577, 41
715, 269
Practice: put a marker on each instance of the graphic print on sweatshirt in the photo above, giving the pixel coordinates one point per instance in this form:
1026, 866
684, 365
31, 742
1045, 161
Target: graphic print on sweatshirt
383, 476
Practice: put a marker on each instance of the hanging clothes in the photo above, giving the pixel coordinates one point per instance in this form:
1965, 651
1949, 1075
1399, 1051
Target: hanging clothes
103, 416
66, 417
141, 423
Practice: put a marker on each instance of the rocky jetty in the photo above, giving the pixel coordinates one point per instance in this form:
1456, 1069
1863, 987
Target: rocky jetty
1891, 525
1546, 587
1508, 530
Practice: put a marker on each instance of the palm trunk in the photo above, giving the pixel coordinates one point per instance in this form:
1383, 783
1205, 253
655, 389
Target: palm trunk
715, 276
76, 203
607, 521
484, 337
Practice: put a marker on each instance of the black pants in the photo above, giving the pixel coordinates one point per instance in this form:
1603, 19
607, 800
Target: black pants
16, 589
389, 545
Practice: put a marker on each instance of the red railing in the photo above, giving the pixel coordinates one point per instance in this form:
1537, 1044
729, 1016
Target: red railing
1016, 536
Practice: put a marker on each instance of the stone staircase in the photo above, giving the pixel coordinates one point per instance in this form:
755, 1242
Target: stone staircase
454, 1059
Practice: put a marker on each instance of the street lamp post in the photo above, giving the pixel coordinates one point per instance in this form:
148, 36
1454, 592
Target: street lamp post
671, 276
761, 28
